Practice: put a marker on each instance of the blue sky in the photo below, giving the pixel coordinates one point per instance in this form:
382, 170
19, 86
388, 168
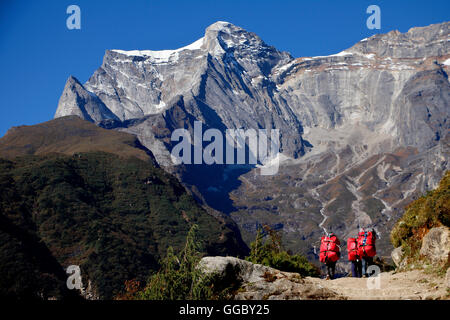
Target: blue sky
38, 52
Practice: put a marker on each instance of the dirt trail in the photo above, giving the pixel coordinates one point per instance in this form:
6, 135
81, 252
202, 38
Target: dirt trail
410, 285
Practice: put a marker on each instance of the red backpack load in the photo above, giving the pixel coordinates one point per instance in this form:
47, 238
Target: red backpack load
329, 249
352, 248
366, 244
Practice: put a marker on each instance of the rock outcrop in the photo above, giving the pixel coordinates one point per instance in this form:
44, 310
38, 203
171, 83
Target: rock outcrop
397, 256
77, 101
436, 245
258, 282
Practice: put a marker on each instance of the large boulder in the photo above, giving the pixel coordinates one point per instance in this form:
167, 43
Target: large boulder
436, 244
258, 282
233, 270
397, 256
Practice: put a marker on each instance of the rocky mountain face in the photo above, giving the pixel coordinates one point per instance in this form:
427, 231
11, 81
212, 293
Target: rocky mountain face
223, 80
362, 132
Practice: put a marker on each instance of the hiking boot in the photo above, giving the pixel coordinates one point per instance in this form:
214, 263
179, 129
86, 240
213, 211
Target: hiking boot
327, 278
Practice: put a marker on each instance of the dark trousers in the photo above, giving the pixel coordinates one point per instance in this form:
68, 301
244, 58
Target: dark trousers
366, 262
331, 269
357, 269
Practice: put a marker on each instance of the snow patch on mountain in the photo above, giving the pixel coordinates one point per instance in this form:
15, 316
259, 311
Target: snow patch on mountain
161, 56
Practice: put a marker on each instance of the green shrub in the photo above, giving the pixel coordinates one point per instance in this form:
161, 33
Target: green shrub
179, 278
270, 253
